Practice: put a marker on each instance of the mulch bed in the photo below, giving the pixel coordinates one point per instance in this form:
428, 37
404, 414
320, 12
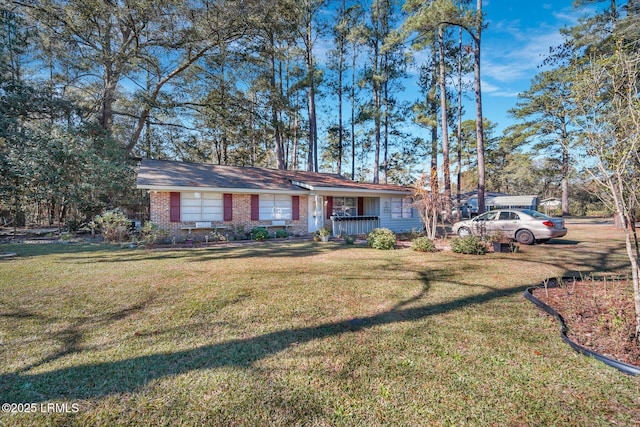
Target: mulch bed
600, 315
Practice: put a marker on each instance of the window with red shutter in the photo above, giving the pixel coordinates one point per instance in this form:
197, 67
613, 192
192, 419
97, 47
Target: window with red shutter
255, 207
228, 207
174, 207
295, 208
329, 206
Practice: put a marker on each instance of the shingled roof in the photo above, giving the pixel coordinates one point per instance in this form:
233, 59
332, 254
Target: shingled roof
165, 174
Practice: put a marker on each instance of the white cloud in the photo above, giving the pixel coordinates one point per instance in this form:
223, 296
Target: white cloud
513, 61
515, 51
496, 90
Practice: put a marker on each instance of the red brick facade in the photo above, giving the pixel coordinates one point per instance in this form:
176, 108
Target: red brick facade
241, 217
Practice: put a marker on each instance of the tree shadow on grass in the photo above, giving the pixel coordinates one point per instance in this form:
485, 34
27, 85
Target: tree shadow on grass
268, 249
128, 375
562, 242
27, 250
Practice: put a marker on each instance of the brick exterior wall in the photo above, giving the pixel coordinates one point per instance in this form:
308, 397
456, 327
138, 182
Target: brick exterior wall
160, 210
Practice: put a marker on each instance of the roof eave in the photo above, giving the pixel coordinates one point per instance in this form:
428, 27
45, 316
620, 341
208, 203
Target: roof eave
169, 188
361, 191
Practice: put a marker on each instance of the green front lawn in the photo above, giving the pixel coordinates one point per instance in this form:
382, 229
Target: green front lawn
300, 334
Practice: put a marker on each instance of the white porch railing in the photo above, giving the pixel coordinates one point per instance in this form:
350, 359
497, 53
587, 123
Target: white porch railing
354, 225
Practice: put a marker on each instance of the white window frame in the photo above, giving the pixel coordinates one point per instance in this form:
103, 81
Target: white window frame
275, 206
201, 206
345, 206
401, 208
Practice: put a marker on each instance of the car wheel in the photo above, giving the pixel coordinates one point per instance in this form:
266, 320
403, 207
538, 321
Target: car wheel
525, 237
464, 232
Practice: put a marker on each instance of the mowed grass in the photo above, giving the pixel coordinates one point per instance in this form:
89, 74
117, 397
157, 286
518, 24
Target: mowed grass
300, 334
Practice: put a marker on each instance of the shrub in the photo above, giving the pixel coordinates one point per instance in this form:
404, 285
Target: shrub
281, 234
423, 244
498, 237
73, 225
349, 240
259, 233
468, 245
322, 234
240, 233
215, 236
114, 225
382, 238
151, 234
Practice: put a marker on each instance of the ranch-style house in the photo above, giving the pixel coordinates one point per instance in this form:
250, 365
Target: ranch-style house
190, 198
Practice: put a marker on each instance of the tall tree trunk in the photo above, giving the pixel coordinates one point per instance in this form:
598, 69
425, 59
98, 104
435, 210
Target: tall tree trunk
433, 114
279, 151
340, 126
110, 80
459, 130
376, 88
376, 119
341, 54
294, 155
283, 137
353, 112
565, 171
384, 68
385, 154
313, 131
479, 117
445, 127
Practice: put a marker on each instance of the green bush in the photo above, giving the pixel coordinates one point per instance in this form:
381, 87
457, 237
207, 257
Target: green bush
73, 225
151, 234
349, 240
259, 233
113, 224
382, 238
281, 234
423, 244
468, 245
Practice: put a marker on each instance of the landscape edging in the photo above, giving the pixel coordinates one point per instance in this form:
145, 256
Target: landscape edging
621, 366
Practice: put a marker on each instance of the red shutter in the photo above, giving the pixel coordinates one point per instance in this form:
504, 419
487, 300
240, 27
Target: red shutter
295, 208
360, 209
255, 207
329, 206
174, 207
228, 207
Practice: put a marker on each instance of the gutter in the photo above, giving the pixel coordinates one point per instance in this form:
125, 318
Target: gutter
348, 190
169, 188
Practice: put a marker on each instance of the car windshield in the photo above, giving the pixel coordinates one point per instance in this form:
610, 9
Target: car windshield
535, 214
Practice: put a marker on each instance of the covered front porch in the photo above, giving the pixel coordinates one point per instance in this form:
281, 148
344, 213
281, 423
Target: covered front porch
344, 215
354, 225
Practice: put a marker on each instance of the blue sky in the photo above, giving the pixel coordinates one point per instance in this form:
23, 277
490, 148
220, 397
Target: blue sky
514, 45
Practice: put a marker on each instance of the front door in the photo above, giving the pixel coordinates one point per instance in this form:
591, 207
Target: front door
316, 213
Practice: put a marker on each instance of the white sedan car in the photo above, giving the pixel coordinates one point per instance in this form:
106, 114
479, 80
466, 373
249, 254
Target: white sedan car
524, 225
